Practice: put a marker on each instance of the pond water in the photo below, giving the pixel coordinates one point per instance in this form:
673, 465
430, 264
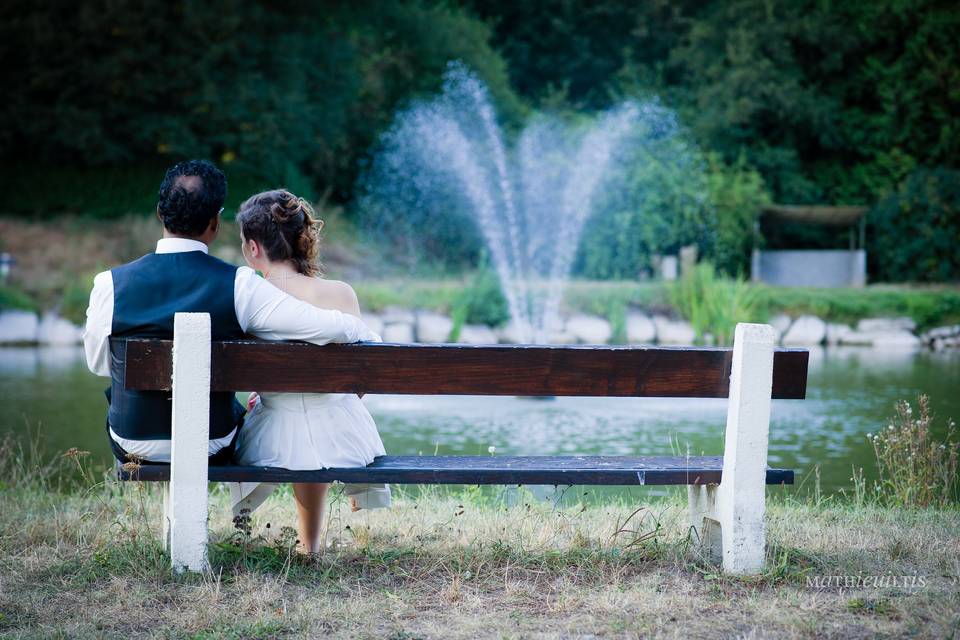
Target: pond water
48, 391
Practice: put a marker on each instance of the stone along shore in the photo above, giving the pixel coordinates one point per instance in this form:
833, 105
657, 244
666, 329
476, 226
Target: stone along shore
408, 325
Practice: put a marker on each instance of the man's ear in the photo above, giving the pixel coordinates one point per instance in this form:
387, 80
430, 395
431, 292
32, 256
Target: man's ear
213, 228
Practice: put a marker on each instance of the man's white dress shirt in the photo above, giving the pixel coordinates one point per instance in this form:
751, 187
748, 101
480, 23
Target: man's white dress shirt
262, 310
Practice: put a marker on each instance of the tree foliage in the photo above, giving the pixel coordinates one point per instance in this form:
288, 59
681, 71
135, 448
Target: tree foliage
812, 101
831, 102
915, 229
294, 92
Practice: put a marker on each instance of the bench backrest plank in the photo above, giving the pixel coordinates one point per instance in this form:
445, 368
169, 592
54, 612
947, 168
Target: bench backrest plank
521, 370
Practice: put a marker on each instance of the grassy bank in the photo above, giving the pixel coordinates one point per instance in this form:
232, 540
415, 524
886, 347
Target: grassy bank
929, 306
61, 279
85, 562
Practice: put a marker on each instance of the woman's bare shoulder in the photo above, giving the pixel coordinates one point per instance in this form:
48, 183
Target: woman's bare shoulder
333, 287
334, 294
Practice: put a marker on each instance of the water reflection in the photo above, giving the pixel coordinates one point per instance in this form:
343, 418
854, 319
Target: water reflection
851, 392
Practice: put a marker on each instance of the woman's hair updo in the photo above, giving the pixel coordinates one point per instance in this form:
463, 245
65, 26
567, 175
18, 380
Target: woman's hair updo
285, 226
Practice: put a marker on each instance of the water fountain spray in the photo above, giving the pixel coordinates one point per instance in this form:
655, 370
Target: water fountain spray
530, 202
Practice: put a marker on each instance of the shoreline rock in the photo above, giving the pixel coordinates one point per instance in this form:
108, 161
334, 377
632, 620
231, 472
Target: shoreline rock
508, 334
940, 338
18, 327
477, 334
674, 331
54, 330
886, 325
589, 329
433, 327
781, 323
401, 325
400, 332
836, 332
640, 329
805, 330
374, 322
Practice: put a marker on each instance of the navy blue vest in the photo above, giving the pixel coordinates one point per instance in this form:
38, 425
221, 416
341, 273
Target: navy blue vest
146, 295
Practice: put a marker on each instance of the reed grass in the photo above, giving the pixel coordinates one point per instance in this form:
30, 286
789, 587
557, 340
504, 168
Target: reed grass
714, 304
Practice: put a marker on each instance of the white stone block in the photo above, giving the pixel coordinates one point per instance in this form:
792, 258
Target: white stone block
398, 333
374, 322
509, 333
780, 323
729, 518
805, 330
191, 434
397, 315
673, 331
640, 329
561, 337
869, 325
857, 339
836, 332
589, 329
55, 330
18, 326
741, 497
948, 331
477, 334
433, 327
895, 339
939, 344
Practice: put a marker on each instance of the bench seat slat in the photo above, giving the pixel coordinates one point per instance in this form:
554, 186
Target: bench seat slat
582, 470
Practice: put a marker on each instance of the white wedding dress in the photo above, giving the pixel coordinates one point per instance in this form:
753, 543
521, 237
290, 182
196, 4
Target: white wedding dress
307, 431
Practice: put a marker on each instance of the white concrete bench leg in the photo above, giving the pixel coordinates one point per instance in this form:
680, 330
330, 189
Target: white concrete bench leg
738, 504
703, 519
165, 534
191, 433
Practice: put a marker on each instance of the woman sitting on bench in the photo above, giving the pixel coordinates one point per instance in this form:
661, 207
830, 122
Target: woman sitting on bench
301, 431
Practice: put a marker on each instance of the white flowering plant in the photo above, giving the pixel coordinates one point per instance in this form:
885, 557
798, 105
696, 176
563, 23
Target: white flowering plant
917, 458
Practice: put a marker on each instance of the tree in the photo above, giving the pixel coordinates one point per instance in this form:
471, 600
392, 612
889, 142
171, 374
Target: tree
293, 92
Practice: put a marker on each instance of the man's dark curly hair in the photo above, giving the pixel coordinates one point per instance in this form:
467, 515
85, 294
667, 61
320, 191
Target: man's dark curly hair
191, 195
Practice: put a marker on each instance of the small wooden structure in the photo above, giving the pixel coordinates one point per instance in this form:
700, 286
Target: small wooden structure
726, 492
813, 267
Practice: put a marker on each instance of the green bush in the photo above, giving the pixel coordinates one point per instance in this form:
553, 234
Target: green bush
654, 204
914, 232
928, 307
292, 93
76, 297
410, 293
11, 298
736, 193
688, 199
480, 302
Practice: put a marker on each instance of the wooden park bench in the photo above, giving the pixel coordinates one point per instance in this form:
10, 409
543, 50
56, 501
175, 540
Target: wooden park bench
726, 493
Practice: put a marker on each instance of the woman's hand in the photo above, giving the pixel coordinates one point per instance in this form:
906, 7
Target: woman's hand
252, 400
